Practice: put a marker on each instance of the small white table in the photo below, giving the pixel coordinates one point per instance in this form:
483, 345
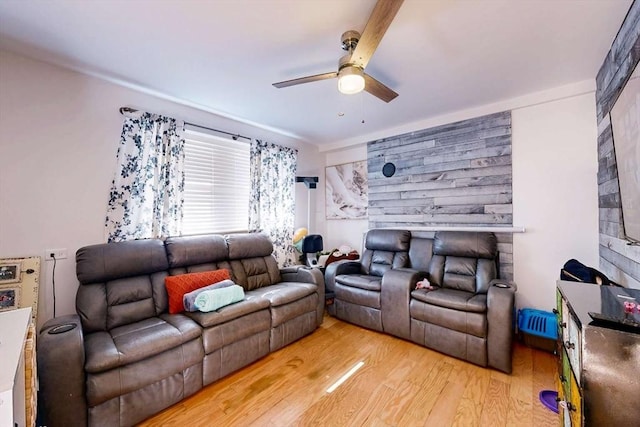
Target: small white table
13, 332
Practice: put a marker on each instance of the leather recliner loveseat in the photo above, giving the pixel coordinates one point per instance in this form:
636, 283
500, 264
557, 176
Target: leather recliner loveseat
126, 358
357, 285
469, 313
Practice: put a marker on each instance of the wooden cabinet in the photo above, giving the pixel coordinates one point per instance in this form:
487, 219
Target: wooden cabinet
598, 365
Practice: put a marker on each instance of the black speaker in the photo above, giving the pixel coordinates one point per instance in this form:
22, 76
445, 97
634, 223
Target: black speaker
388, 169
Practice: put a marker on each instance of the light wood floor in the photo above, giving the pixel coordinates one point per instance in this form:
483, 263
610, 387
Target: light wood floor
400, 384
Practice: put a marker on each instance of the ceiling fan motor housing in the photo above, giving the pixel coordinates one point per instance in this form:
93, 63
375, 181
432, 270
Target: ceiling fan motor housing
350, 40
345, 61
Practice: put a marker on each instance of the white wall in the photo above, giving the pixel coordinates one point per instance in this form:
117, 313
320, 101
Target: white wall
60, 133
555, 194
555, 198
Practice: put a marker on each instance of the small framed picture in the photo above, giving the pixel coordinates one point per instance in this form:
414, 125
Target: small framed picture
9, 272
9, 298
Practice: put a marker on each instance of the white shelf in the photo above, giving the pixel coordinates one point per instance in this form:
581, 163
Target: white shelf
13, 331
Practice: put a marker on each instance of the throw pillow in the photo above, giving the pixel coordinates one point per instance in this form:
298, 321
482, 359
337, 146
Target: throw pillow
181, 284
189, 299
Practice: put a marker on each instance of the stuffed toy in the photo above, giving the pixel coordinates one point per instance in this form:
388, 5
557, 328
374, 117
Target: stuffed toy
424, 284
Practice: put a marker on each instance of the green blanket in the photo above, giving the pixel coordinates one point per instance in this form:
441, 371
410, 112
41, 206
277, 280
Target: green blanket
216, 298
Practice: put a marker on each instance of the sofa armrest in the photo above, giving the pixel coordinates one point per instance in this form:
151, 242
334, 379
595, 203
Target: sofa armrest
337, 268
395, 297
500, 318
61, 373
500, 283
302, 273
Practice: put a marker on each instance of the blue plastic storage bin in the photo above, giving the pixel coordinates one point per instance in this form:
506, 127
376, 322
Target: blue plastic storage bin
538, 328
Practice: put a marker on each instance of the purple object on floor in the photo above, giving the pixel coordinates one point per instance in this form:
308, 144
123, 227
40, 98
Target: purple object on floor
548, 399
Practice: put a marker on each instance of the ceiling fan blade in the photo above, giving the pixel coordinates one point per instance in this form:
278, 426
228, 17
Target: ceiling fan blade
377, 89
307, 79
380, 19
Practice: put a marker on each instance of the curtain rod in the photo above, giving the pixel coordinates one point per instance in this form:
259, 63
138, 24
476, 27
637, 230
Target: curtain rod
233, 136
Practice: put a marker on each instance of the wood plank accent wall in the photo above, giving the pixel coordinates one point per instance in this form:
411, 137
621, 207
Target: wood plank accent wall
617, 260
457, 174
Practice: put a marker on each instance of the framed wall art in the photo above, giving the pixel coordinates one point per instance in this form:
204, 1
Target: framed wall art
625, 127
9, 272
9, 298
346, 191
19, 283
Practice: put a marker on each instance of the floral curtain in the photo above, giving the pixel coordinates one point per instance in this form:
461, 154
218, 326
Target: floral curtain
272, 198
147, 190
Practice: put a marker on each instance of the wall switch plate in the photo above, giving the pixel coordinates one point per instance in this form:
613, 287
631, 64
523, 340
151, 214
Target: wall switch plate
58, 253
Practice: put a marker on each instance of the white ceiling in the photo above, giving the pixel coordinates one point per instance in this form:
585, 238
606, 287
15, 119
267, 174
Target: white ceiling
439, 55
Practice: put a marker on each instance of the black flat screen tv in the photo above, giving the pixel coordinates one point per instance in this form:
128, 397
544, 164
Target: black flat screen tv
625, 125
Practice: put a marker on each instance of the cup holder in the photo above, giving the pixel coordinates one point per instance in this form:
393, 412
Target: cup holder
60, 329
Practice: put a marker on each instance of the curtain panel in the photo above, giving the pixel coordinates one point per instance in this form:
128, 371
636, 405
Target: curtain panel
147, 191
272, 199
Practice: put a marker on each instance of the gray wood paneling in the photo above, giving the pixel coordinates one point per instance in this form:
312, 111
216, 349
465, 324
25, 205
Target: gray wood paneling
619, 262
455, 174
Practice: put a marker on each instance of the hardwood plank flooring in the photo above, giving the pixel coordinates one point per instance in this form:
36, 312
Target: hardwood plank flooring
400, 384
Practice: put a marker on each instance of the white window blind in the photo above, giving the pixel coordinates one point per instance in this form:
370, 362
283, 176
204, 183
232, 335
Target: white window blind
216, 187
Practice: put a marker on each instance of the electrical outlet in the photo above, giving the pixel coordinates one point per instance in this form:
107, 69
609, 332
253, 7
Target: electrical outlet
58, 253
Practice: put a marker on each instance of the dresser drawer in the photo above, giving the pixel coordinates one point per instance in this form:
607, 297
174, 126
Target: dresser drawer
570, 405
572, 340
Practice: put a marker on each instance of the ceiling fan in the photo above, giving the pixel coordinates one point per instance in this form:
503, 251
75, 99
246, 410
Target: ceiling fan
351, 76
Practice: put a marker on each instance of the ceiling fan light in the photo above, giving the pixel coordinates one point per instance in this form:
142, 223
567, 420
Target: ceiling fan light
350, 80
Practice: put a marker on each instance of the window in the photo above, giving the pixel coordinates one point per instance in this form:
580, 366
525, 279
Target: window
216, 184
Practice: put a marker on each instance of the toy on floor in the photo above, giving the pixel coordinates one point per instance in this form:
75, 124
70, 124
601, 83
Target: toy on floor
424, 284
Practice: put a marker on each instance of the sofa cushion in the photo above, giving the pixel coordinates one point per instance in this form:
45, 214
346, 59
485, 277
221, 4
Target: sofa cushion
358, 296
460, 273
136, 341
181, 284
384, 250
121, 283
362, 281
115, 384
453, 299
449, 319
467, 244
283, 313
284, 293
111, 261
388, 240
235, 330
253, 273
187, 251
248, 245
250, 304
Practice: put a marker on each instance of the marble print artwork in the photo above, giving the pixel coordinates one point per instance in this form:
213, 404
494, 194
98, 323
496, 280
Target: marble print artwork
346, 191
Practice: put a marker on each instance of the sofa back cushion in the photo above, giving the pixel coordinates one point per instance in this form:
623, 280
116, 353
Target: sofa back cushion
421, 250
384, 250
120, 283
464, 260
252, 263
194, 254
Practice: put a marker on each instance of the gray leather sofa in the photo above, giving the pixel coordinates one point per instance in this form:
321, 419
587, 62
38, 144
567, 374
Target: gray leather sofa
470, 312
127, 358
